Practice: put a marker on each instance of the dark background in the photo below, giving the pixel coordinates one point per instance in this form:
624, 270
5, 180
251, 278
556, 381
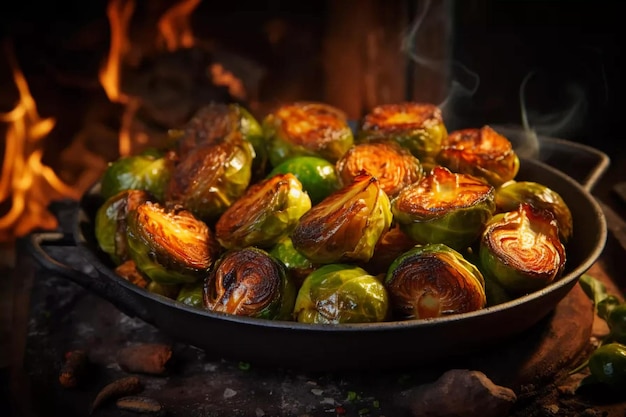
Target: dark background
567, 51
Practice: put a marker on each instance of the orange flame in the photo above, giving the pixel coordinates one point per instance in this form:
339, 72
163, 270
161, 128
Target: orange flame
174, 27
29, 183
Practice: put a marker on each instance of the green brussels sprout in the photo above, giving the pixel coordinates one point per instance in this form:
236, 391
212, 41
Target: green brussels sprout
211, 178
394, 166
317, 175
269, 210
482, 152
512, 193
192, 294
110, 223
306, 128
217, 122
418, 127
346, 225
444, 207
250, 282
607, 365
298, 266
341, 293
170, 246
521, 249
137, 172
434, 280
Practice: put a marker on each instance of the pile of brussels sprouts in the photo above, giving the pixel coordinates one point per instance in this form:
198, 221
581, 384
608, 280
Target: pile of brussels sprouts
302, 218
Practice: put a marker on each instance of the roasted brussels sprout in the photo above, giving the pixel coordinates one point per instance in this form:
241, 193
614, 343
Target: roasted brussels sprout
192, 294
216, 122
341, 293
317, 175
418, 127
512, 193
170, 246
482, 152
306, 128
298, 266
137, 172
394, 166
210, 178
250, 282
434, 280
269, 210
110, 226
607, 365
521, 249
346, 225
129, 271
444, 207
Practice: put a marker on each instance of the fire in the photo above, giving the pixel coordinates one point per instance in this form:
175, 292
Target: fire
174, 27
26, 181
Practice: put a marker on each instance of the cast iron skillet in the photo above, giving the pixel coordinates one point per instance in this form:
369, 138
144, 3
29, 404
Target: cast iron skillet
323, 347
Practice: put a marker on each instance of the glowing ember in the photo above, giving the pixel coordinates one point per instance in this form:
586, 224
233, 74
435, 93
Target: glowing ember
26, 181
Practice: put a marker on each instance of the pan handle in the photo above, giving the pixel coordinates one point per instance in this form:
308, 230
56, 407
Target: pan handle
98, 284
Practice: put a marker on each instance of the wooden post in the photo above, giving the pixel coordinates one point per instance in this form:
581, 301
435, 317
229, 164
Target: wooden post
374, 52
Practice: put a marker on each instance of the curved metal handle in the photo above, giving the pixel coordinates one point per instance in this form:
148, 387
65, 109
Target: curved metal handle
101, 285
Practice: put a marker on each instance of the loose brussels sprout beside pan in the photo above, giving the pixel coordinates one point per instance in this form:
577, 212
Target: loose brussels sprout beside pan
333, 231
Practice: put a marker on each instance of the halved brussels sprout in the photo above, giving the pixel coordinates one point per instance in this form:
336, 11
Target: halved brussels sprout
346, 225
110, 223
418, 127
137, 172
341, 293
216, 122
394, 166
298, 266
306, 128
170, 246
434, 280
482, 152
317, 175
269, 210
250, 282
210, 178
521, 249
444, 207
512, 193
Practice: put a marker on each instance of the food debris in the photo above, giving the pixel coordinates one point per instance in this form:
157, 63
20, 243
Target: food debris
139, 404
145, 358
228, 393
73, 368
118, 388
